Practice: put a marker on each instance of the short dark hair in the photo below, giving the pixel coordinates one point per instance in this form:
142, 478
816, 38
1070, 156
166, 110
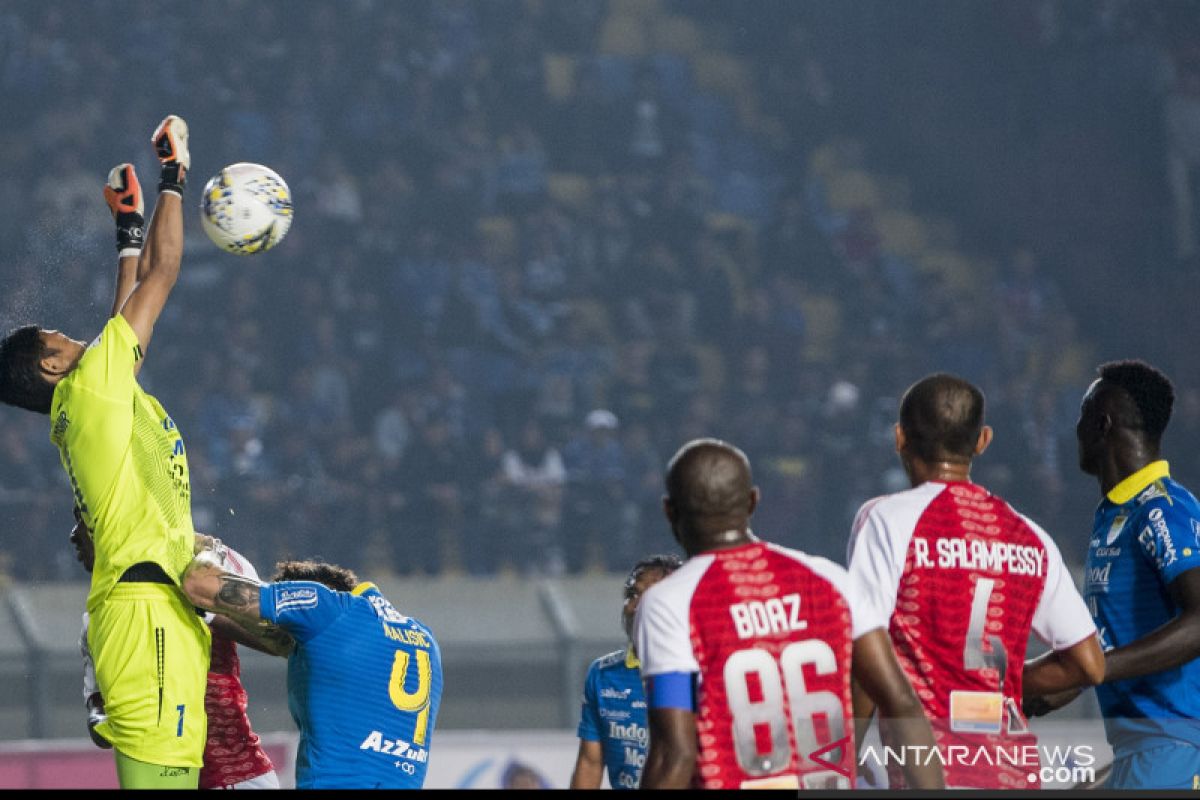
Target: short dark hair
942, 416
665, 562
331, 575
1151, 391
21, 381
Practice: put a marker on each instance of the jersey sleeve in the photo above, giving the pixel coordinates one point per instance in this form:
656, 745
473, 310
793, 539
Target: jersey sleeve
302, 608
589, 718
1061, 619
107, 366
875, 570
1170, 538
663, 634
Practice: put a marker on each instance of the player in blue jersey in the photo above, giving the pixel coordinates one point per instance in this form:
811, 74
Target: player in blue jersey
613, 730
364, 681
1142, 582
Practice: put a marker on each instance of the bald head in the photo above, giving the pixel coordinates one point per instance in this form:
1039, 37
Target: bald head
709, 486
942, 416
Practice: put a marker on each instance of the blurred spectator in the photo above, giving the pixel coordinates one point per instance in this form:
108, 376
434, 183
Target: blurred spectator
533, 476
595, 463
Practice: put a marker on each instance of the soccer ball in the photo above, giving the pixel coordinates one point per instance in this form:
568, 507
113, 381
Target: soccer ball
246, 208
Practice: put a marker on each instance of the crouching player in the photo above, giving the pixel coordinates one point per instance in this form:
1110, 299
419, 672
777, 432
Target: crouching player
364, 681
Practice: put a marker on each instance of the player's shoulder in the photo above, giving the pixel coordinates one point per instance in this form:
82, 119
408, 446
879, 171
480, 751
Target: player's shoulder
823, 568
1167, 498
678, 587
900, 505
608, 661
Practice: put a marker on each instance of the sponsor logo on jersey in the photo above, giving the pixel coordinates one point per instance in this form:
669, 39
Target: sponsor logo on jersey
1151, 492
635, 757
615, 694
384, 610
1097, 578
376, 742
1115, 529
295, 598
638, 704
614, 713
1108, 552
631, 732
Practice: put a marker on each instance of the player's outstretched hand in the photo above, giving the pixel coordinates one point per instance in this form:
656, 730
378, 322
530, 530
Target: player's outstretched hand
123, 194
171, 146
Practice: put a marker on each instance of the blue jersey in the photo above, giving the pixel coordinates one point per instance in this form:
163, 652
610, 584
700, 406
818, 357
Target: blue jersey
364, 684
614, 714
1146, 533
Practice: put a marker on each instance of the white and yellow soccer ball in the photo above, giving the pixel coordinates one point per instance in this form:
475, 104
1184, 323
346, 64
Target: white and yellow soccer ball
246, 208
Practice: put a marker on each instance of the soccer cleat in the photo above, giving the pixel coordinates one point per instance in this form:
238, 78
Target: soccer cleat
123, 194
171, 146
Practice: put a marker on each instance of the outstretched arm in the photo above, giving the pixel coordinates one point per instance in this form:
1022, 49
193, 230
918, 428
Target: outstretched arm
123, 194
158, 265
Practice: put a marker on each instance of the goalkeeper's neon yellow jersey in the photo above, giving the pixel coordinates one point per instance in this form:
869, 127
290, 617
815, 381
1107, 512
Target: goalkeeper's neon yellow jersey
125, 461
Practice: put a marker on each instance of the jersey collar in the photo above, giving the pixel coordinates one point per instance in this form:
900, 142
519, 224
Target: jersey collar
631, 659
1129, 488
362, 587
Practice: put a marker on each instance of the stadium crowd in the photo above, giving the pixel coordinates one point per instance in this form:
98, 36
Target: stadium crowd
537, 246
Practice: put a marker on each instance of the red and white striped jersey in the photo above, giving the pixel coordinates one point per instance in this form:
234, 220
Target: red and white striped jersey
769, 632
963, 579
233, 752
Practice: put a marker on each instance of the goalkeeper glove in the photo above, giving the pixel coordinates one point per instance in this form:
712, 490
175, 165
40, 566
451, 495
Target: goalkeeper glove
123, 194
171, 145
96, 715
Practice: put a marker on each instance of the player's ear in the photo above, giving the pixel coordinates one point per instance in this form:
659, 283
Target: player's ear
669, 510
754, 498
985, 438
53, 365
901, 440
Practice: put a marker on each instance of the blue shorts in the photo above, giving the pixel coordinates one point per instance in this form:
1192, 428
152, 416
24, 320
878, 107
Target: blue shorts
1168, 766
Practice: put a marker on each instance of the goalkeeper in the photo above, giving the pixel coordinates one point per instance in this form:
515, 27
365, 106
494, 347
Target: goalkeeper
127, 468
